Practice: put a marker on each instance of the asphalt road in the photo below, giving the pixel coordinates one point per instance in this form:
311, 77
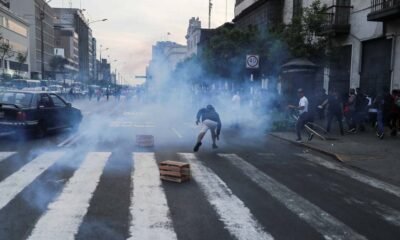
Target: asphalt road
97, 184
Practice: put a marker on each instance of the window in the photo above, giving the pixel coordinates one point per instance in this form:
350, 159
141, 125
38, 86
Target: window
20, 99
17, 27
45, 101
57, 101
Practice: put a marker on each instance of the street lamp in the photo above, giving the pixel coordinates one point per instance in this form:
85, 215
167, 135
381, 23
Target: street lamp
42, 18
100, 20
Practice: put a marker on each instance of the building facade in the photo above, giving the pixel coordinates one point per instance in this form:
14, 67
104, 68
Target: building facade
14, 32
197, 38
74, 18
165, 56
261, 14
39, 16
67, 46
365, 36
93, 57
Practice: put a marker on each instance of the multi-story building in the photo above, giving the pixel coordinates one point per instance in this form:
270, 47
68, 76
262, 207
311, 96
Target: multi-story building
39, 16
103, 71
74, 18
165, 57
196, 37
365, 34
14, 32
67, 46
93, 59
259, 13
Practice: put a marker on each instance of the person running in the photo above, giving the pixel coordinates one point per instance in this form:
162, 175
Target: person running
304, 116
334, 110
210, 120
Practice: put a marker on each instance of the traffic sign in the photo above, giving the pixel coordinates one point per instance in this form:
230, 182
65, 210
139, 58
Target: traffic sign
252, 61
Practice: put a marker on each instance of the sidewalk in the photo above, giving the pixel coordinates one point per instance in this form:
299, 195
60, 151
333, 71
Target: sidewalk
362, 150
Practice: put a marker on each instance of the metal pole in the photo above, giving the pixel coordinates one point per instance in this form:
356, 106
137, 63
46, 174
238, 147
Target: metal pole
42, 17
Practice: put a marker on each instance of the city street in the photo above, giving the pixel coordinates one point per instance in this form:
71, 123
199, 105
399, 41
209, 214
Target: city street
95, 183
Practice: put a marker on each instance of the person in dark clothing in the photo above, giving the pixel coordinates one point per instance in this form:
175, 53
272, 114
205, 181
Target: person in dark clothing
320, 99
350, 112
382, 102
334, 110
210, 120
361, 110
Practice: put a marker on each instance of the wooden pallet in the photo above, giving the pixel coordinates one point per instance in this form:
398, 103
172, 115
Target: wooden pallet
146, 141
174, 171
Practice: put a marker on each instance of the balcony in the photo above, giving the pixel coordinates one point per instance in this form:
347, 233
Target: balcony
337, 20
384, 10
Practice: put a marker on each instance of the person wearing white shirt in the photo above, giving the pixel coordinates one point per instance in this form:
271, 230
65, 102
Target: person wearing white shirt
304, 116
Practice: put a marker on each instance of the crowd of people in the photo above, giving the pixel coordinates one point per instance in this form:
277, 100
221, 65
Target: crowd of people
356, 109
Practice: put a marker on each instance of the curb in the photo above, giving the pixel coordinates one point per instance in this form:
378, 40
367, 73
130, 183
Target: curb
320, 150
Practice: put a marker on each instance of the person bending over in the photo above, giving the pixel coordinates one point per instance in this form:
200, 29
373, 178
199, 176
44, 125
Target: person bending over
210, 120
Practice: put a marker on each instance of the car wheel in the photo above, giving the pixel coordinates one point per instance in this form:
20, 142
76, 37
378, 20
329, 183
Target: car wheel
41, 130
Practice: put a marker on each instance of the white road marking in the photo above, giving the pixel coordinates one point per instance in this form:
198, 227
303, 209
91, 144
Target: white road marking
63, 217
63, 143
17, 182
238, 219
385, 212
5, 155
389, 188
177, 133
324, 223
149, 207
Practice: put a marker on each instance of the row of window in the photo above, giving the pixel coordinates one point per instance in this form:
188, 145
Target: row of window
13, 25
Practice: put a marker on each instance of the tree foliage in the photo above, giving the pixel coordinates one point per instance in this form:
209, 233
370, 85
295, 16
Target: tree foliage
6, 51
58, 63
303, 37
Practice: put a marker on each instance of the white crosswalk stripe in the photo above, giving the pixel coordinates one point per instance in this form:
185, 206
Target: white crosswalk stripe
237, 218
64, 216
5, 155
324, 223
389, 188
149, 208
14, 184
150, 216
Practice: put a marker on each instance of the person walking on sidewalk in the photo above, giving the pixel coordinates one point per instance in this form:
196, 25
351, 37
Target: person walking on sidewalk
349, 111
304, 115
210, 120
334, 110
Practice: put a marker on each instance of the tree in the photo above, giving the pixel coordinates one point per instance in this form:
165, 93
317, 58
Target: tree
6, 51
21, 58
303, 37
58, 63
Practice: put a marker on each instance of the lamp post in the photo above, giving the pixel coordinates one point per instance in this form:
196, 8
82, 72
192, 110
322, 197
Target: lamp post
42, 18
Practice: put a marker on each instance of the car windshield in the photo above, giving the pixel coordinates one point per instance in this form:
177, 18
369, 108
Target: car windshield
20, 99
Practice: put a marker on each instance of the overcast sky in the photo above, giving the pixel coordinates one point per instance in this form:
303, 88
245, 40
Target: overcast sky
135, 25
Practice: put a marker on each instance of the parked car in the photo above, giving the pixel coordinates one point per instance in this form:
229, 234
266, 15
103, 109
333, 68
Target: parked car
26, 112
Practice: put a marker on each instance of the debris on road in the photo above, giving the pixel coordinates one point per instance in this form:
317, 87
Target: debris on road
174, 171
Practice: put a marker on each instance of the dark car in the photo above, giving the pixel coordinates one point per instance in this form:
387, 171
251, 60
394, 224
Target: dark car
24, 112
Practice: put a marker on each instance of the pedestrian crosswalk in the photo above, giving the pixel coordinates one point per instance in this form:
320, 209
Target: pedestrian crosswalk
151, 216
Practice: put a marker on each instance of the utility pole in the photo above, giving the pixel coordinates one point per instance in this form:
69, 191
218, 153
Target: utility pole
210, 5
42, 18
